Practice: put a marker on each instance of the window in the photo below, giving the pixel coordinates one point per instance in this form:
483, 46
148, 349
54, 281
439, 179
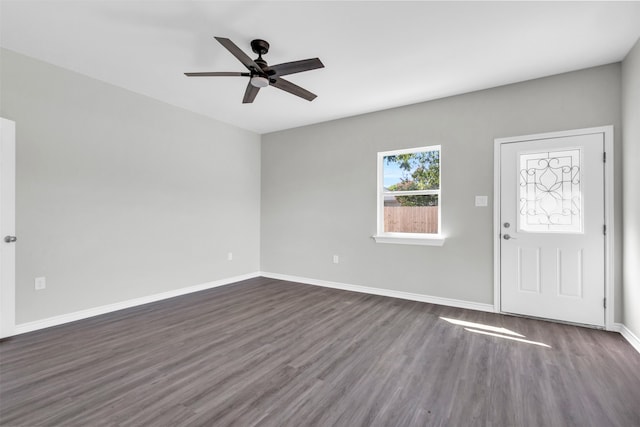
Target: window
409, 197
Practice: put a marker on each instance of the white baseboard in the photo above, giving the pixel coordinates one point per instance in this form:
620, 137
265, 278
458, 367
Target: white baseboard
383, 292
616, 327
96, 311
628, 335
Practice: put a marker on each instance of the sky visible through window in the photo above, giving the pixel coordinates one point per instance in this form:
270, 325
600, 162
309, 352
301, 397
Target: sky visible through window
392, 173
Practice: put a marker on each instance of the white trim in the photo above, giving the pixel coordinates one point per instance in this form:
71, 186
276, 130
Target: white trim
609, 220
109, 308
436, 240
382, 292
410, 150
8, 227
630, 337
402, 238
554, 135
607, 132
627, 334
411, 193
96, 311
497, 168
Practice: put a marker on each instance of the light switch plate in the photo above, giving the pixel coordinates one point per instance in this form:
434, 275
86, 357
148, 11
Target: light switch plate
482, 200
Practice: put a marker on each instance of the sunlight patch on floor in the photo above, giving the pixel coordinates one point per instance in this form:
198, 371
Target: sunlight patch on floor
483, 327
507, 337
493, 331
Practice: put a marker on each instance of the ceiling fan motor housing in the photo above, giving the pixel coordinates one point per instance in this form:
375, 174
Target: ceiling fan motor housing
259, 46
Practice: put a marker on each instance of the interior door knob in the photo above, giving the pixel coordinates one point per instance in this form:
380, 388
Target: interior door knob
507, 237
10, 239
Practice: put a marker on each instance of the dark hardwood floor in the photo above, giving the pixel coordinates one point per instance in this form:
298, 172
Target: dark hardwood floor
265, 352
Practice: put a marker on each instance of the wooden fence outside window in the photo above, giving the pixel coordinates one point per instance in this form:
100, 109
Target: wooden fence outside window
411, 219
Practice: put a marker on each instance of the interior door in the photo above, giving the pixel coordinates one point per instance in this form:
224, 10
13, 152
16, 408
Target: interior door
7, 227
552, 245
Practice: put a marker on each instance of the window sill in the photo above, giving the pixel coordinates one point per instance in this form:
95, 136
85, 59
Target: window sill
399, 239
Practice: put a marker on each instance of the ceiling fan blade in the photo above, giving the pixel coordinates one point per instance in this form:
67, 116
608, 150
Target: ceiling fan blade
287, 86
216, 73
239, 54
297, 66
250, 93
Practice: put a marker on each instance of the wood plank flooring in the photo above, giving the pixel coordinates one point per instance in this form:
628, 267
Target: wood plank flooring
266, 352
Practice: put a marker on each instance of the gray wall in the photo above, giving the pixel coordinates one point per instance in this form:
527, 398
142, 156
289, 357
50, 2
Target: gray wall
319, 183
631, 147
120, 196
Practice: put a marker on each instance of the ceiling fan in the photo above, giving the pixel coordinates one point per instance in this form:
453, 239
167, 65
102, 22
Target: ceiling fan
262, 75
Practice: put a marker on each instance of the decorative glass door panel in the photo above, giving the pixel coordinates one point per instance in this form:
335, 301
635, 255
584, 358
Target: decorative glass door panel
550, 196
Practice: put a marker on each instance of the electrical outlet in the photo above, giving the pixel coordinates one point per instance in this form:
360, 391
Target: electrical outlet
336, 259
40, 283
230, 256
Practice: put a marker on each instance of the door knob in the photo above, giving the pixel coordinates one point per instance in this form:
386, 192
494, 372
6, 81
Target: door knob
507, 237
10, 239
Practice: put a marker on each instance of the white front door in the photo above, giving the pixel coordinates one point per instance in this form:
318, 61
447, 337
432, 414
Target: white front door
552, 228
7, 227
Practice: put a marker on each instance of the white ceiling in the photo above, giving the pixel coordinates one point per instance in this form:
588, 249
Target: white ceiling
377, 55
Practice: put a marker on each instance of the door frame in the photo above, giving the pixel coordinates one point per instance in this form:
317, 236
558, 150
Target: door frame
609, 219
7, 227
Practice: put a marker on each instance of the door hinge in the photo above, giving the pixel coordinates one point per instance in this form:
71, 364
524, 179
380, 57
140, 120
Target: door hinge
604, 229
604, 302
604, 157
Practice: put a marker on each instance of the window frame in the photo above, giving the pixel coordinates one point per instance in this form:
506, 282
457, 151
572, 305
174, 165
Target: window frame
428, 239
